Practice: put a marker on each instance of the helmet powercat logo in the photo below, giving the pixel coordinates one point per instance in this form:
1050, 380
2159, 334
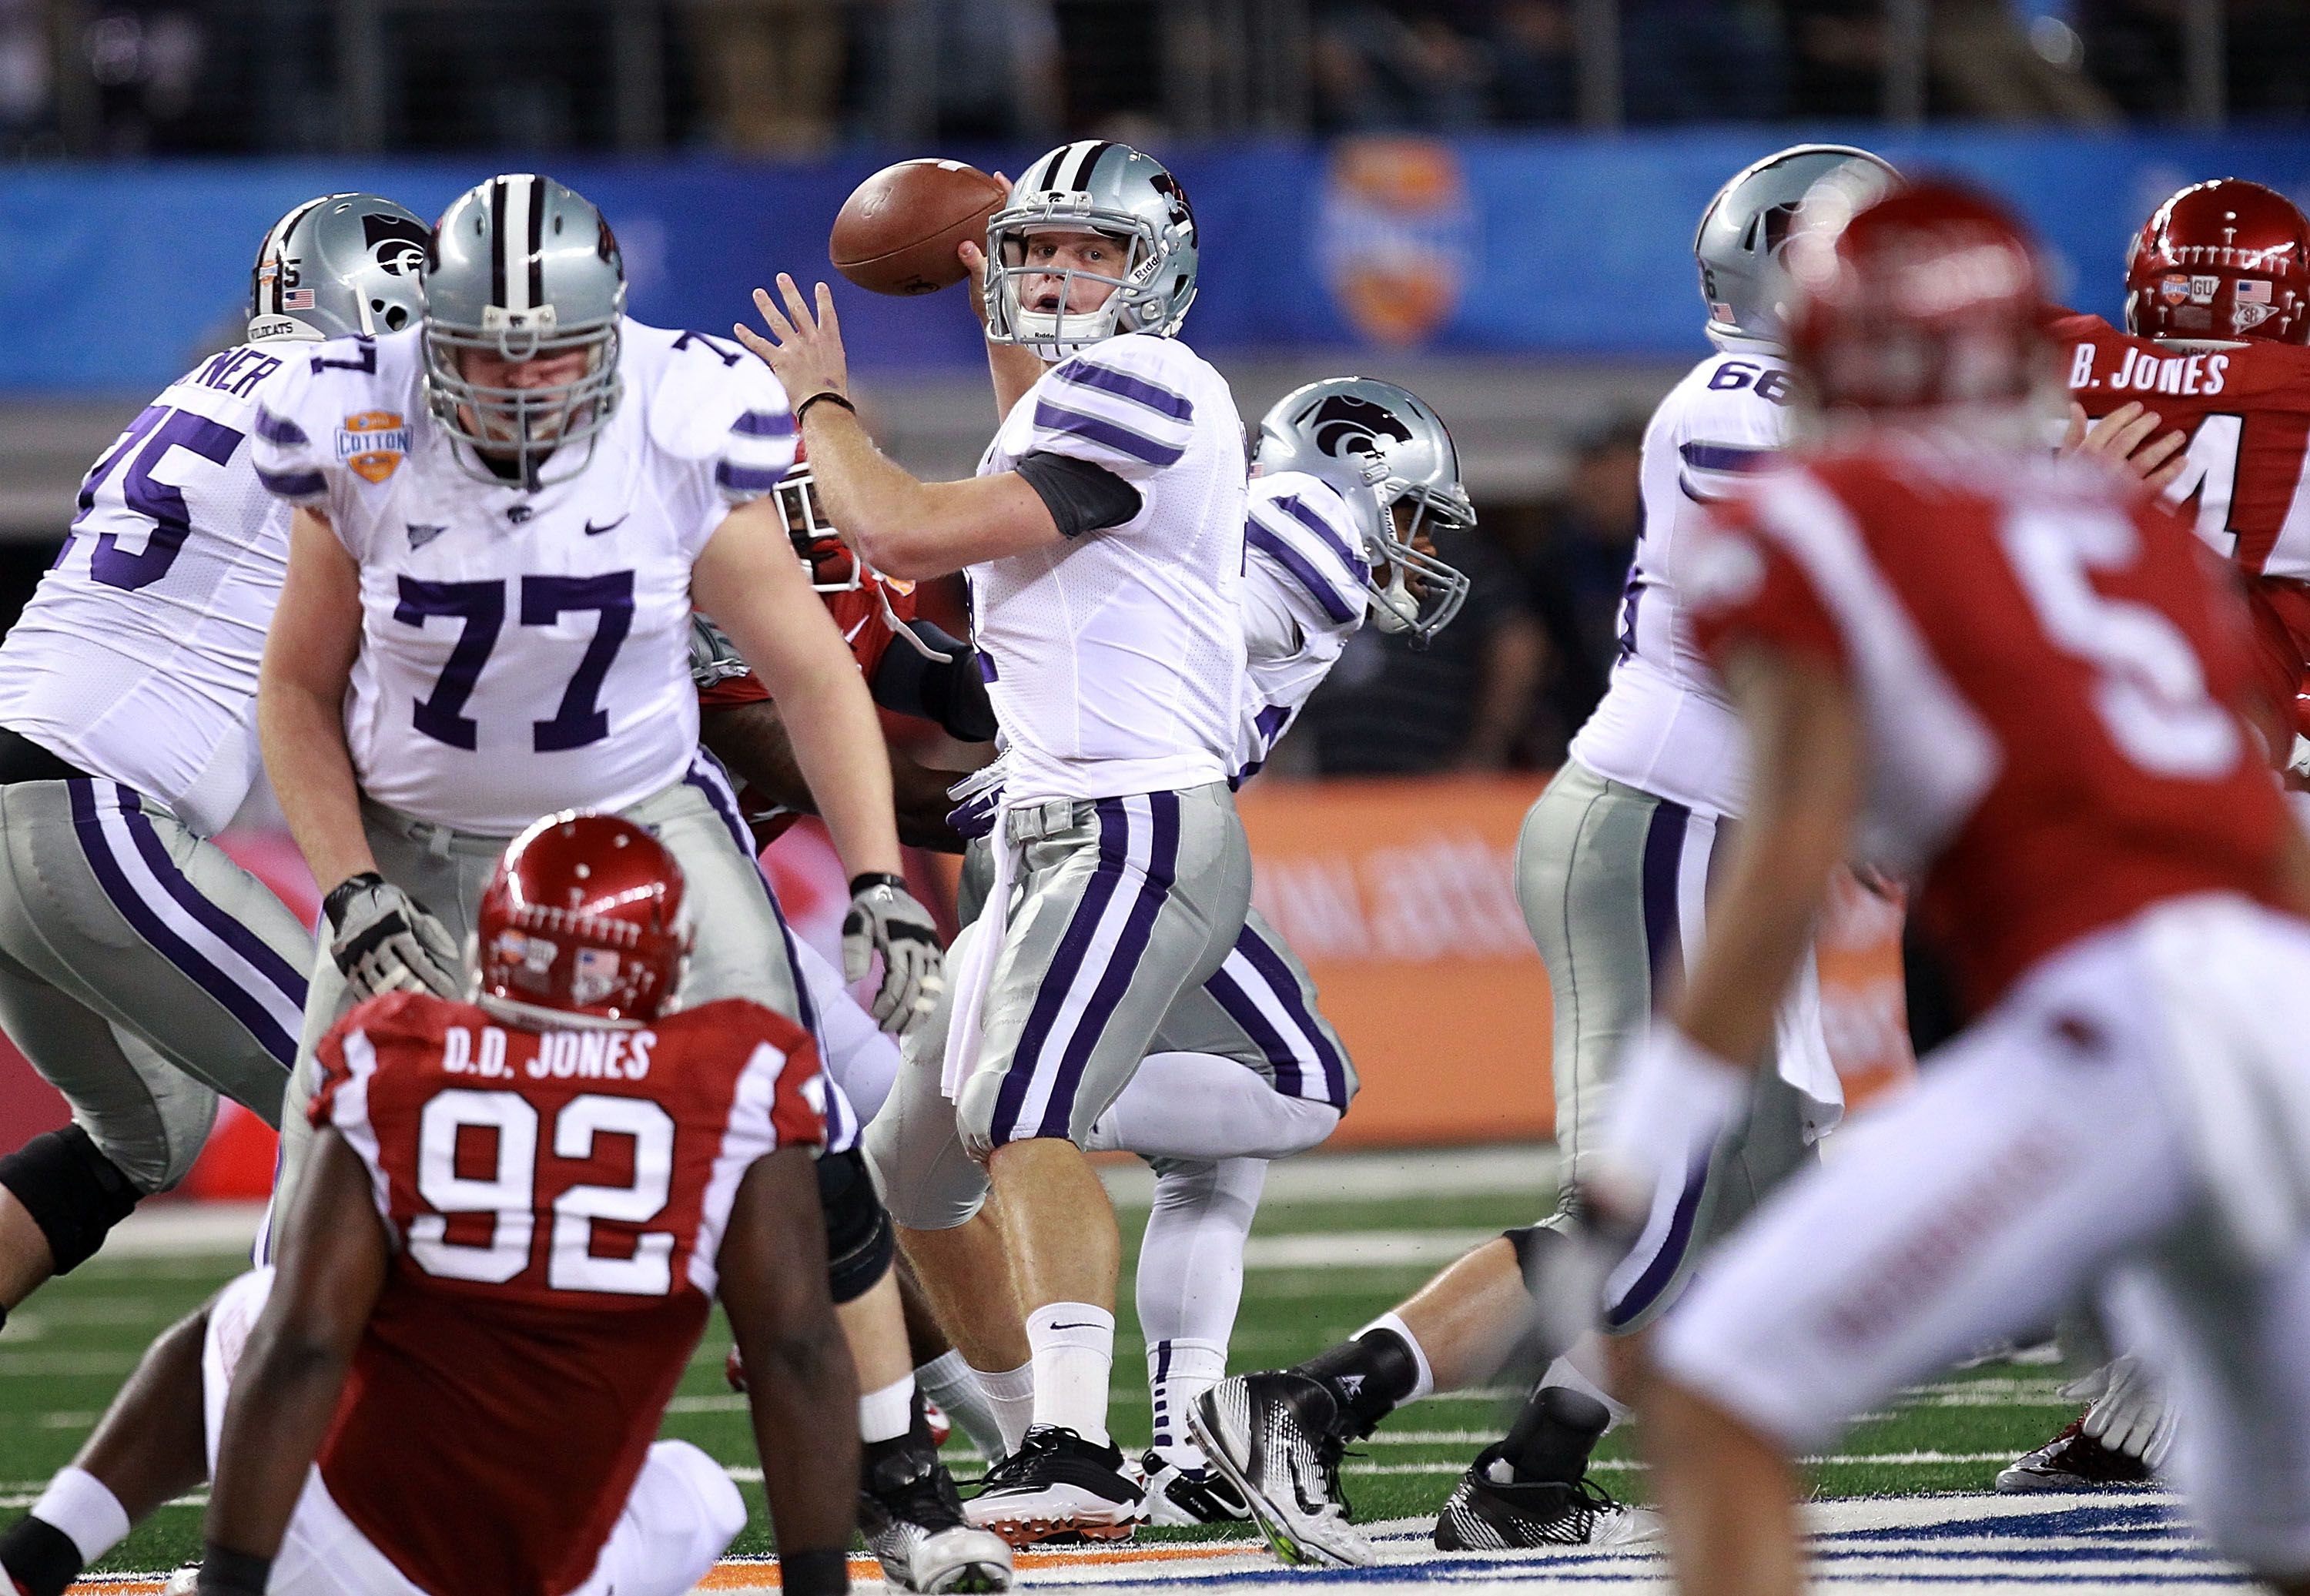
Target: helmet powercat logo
396, 243
1345, 421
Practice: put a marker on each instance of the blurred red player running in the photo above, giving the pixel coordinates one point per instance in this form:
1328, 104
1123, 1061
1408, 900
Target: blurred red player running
2015, 677
2218, 307
518, 1214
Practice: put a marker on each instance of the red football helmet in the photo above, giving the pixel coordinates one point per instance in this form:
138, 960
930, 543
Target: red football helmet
833, 566
2219, 262
1927, 298
582, 921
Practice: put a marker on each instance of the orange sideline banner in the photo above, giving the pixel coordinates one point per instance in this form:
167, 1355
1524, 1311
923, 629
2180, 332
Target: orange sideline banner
1401, 897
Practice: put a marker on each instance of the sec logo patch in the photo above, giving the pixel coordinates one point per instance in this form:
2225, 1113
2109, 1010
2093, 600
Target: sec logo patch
373, 443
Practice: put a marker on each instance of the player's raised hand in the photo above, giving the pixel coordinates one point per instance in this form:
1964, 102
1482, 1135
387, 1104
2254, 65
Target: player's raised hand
2123, 437
885, 918
804, 348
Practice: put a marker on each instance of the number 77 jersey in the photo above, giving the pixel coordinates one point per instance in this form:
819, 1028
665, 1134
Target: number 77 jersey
555, 1202
2051, 674
525, 646
2246, 487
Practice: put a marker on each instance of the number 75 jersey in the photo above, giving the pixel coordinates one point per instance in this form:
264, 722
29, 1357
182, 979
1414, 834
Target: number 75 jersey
556, 1202
523, 650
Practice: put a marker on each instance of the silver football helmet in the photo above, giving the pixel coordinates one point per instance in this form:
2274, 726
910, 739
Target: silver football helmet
1739, 243
1381, 449
338, 265
524, 269
1096, 186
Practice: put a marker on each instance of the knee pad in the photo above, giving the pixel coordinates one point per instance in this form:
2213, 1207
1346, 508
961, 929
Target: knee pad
73, 1193
859, 1240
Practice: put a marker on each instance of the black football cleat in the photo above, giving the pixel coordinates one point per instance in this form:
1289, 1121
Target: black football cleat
2074, 1460
1058, 1486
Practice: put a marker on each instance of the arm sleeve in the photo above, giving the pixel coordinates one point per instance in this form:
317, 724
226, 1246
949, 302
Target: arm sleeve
947, 690
1118, 405
1082, 496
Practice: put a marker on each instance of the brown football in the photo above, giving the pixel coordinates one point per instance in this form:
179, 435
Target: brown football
898, 230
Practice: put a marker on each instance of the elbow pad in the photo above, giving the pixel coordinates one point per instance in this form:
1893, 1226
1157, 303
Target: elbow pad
947, 691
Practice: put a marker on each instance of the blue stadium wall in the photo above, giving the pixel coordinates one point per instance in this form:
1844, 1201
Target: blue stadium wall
114, 278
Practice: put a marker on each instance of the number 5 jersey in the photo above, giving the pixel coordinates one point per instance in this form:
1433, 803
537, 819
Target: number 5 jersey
523, 649
555, 1202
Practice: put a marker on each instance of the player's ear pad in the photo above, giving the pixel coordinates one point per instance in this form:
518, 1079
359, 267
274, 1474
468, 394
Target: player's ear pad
859, 1237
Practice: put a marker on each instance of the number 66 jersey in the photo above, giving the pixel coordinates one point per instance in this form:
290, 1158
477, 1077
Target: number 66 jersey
555, 1202
524, 645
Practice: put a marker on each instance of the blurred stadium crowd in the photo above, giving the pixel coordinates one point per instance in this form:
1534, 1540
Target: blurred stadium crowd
128, 77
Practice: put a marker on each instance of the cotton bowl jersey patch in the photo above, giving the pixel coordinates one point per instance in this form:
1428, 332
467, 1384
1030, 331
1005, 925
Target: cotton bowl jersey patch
372, 443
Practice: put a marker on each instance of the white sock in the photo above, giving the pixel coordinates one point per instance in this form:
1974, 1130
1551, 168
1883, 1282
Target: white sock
1565, 1372
84, 1509
951, 1382
1073, 1344
887, 1414
1011, 1395
1177, 1373
1392, 1323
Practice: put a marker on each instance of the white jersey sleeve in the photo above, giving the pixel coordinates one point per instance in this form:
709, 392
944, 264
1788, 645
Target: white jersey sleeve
1112, 406
1664, 725
1303, 598
333, 422
725, 410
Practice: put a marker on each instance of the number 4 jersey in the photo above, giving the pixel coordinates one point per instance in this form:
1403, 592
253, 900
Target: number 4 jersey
523, 650
2246, 486
136, 660
555, 1202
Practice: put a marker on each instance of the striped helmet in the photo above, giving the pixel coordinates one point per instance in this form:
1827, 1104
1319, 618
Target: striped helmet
524, 269
1093, 186
1381, 449
1747, 225
342, 265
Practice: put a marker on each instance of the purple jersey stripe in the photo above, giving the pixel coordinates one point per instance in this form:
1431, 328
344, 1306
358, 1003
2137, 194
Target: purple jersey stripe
1154, 892
747, 479
1236, 1003
292, 484
227, 930
1154, 395
1664, 863
1726, 457
1326, 595
1269, 722
1066, 963
1263, 958
706, 775
228, 993
1123, 441
765, 423
280, 429
1293, 505
1657, 1274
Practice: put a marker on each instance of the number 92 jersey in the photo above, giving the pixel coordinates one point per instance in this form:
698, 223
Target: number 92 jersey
523, 651
556, 1202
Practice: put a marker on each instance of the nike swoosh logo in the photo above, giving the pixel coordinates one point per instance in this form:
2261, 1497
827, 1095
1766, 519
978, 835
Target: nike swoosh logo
852, 635
1086, 1324
593, 531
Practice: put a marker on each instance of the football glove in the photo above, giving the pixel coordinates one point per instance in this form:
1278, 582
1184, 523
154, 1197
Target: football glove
884, 918
2130, 1413
385, 940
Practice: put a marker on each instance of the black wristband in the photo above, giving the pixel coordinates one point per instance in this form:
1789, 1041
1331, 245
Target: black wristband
228, 1573
876, 877
815, 1574
827, 395
333, 905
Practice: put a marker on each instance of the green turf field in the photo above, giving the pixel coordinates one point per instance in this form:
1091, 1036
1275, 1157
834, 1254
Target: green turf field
65, 1352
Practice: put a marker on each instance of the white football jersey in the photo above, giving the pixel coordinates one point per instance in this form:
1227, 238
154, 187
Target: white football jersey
1303, 597
1116, 660
524, 652
1664, 725
136, 659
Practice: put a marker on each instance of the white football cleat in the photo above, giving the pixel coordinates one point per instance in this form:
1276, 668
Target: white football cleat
1271, 1436
1057, 1485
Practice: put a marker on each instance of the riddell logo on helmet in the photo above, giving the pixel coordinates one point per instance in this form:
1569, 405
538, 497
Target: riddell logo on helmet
373, 442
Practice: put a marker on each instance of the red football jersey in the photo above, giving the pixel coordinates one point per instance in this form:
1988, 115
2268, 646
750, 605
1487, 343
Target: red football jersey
867, 629
2246, 488
556, 1201
2054, 677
